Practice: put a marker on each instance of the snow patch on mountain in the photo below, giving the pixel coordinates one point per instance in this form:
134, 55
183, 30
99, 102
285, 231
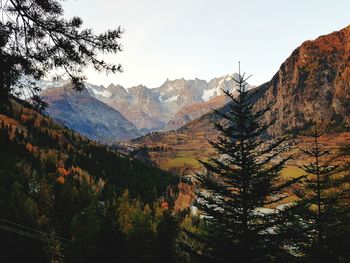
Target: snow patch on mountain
215, 91
208, 94
97, 91
104, 93
173, 98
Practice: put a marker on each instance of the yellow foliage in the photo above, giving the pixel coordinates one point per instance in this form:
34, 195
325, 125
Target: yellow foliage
147, 210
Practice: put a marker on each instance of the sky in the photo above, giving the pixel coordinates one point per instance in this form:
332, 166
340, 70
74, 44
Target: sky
205, 38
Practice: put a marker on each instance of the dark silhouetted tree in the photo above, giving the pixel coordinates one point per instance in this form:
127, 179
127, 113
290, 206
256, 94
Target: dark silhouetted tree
239, 183
35, 39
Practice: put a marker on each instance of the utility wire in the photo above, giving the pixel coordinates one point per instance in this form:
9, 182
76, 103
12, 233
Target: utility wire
37, 233
23, 233
28, 234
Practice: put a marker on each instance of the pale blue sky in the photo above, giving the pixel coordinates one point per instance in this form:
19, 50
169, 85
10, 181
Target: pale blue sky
206, 38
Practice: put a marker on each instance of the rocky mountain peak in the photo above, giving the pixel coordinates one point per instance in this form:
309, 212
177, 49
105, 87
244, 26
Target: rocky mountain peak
117, 91
313, 84
111, 86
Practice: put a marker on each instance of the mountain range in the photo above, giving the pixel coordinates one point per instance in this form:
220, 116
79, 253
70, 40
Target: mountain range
170, 106
115, 113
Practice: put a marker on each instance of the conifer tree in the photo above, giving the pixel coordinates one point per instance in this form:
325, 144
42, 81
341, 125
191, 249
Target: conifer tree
239, 183
35, 38
321, 231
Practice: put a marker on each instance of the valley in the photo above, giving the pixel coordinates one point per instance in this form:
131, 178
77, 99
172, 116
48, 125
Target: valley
178, 116
172, 159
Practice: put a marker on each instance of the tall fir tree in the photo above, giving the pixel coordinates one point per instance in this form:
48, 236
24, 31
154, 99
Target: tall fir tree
239, 183
320, 232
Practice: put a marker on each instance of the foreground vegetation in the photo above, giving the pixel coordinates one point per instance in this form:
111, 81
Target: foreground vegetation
67, 199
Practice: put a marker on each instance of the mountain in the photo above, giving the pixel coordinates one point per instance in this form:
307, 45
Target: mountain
168, 107
194, 111
196, 98
39, 142
138, 104
87, 115
313, 84
173, 104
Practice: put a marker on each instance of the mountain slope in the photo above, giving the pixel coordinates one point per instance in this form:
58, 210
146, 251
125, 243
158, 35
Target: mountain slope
195, 111
313, 84
47, 147
211, 97
87, 115
60, 190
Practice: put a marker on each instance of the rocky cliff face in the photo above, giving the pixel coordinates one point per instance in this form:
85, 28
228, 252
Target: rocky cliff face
313, 84
138, 104
87, 115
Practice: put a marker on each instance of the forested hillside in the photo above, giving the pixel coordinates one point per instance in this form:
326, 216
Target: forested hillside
64, 196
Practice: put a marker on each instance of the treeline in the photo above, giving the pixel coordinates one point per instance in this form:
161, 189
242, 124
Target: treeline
64, 198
